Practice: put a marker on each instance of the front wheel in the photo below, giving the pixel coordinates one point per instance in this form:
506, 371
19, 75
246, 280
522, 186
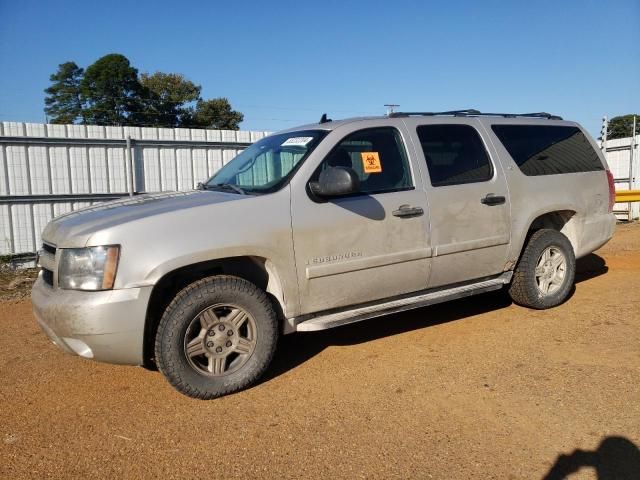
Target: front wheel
545, 272
216, 337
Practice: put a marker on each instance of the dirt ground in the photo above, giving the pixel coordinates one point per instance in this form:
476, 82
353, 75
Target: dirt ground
477, 388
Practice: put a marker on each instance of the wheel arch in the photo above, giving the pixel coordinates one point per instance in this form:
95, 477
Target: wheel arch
564, 221
256, 269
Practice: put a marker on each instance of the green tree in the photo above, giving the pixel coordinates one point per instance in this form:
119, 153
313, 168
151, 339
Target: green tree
620, 127
169, 98
112, 93
216, 113
109, 92
63, 103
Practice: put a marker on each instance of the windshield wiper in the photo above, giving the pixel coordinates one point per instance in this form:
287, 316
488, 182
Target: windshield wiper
224, 187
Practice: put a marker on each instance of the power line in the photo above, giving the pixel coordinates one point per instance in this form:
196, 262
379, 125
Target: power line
248, 105
156, 125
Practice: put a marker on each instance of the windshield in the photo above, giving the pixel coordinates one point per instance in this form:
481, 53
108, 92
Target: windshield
267, 164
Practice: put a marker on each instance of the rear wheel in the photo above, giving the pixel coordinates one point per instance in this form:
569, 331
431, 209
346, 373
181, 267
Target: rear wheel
545, 273
217, 336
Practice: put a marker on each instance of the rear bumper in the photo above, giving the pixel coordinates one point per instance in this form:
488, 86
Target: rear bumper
106, 326
596, 231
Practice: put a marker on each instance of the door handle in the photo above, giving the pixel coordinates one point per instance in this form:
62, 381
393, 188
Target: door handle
492, 199
405, 211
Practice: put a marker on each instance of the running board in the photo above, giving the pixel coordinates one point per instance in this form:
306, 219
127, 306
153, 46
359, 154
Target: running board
344, 317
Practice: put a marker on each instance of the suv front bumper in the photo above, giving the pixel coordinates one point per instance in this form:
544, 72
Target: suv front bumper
107, 326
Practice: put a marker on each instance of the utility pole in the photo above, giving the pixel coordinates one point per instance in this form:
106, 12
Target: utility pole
603, 134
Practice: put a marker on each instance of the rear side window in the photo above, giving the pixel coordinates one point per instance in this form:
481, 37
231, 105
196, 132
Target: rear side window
547, 149
455, 154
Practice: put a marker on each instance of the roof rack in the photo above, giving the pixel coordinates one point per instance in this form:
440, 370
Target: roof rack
470, 112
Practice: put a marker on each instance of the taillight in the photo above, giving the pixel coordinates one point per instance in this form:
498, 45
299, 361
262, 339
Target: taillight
612, 191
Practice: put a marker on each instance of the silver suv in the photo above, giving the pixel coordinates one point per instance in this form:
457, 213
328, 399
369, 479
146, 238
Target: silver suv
320, 226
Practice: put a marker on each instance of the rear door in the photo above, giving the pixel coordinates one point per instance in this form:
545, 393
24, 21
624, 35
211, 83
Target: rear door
368, 246
468, 198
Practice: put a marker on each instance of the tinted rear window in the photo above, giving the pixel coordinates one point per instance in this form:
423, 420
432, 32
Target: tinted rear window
548, 150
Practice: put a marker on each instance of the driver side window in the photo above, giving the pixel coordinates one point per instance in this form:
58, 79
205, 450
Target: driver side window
378, 157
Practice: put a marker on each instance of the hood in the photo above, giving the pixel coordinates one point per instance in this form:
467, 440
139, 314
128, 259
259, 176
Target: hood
74, 229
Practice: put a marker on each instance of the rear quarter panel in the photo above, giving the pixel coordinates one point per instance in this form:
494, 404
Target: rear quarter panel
585, 193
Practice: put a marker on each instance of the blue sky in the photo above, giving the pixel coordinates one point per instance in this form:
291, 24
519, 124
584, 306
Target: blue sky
285, 63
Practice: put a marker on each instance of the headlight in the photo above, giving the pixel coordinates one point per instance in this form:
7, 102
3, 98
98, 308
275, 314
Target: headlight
92, 268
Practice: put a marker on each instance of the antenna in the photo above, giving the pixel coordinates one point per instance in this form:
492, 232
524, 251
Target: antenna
390, 108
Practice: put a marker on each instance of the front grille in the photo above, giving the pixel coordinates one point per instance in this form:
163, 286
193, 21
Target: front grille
47, 276
47, 261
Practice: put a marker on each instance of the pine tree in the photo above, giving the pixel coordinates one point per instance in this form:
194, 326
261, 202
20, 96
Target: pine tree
111, 92
63, 103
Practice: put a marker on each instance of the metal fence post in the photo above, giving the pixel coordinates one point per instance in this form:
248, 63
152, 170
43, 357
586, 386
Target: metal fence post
129, 157
632, 183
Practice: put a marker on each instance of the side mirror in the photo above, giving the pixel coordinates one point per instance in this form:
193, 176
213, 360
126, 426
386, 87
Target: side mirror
335, 182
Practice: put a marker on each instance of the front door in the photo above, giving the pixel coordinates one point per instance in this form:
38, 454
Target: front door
362, 247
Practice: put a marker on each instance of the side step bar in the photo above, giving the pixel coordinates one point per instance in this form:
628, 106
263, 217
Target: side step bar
344, 317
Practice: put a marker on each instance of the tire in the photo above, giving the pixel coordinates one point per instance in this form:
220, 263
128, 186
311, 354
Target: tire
533, 274
206, 348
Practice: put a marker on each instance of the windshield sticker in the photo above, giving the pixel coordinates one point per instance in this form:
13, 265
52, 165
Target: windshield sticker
371, 162
296, 142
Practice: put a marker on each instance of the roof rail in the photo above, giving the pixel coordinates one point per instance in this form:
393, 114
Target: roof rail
476, 113
457, 113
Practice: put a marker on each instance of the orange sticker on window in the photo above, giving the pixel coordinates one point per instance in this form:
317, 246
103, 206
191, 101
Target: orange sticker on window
371, 162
